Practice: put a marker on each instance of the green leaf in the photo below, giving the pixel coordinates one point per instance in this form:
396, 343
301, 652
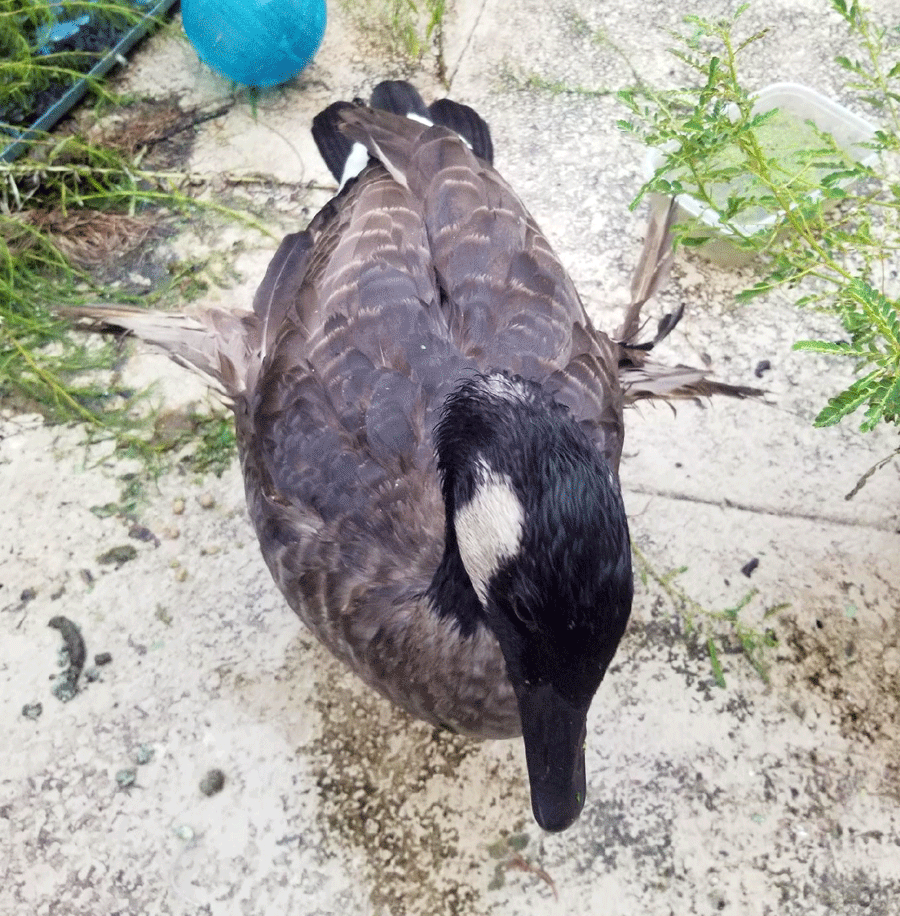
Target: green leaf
847, 401
717, 671
759, 288
835, 177
826, 346
755, 37
847, 64
885, 400
881, 310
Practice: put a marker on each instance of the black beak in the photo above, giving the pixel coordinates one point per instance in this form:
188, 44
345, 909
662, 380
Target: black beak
554, 732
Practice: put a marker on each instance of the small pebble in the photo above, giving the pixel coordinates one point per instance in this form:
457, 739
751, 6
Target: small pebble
749, 566
891, 661
63, 689
762, 366
171, 533
184, 833
143, 755
212, 782
87, 577
102, 658
181, 575
73, 642
126, 778
118, 555
32, 710
143, 533
206, 501
28, 594
178, 506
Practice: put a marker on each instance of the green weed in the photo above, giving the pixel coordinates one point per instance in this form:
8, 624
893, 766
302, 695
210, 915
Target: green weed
404, 28
715, 148
68, 207
714, 626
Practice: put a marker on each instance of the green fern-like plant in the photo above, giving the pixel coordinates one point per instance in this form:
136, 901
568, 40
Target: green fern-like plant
711, 139
873, 323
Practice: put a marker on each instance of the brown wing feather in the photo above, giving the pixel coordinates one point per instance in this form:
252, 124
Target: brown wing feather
223, 346
281, 285
640, 375
508, 301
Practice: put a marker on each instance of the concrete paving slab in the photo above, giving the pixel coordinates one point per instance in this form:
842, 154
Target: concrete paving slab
759, 797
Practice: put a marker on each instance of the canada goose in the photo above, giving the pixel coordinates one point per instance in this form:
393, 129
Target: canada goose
430, 431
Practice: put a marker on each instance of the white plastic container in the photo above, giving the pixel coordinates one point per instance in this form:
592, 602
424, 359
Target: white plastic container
804, 104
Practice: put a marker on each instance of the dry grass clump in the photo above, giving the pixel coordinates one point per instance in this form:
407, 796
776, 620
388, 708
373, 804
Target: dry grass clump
89, 238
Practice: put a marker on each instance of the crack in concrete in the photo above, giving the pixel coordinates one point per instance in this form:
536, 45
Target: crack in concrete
725, 503
468, 42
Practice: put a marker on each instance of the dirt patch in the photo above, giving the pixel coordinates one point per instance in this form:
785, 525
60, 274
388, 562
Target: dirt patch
392, 798
160, 130
850, 668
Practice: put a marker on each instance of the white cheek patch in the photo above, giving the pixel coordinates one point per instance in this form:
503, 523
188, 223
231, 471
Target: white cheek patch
489, 528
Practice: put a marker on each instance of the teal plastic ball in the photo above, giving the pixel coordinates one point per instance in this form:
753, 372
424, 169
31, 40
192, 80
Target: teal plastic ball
255, 42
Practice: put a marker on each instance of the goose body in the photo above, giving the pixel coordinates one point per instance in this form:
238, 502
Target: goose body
430, 431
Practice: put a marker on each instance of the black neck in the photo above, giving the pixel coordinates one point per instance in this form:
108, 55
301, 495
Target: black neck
451, 591
479, 420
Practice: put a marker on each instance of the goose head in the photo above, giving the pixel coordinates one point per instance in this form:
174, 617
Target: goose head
535, 521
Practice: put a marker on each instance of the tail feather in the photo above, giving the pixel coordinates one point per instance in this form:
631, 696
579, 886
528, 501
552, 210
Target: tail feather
651, 273
400, 98
640, 376
346, 155
222, 346
466, 122
389, 139
335, 148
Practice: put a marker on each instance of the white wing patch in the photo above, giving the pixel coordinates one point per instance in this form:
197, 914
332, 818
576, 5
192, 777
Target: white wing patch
489, 527
355, 163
